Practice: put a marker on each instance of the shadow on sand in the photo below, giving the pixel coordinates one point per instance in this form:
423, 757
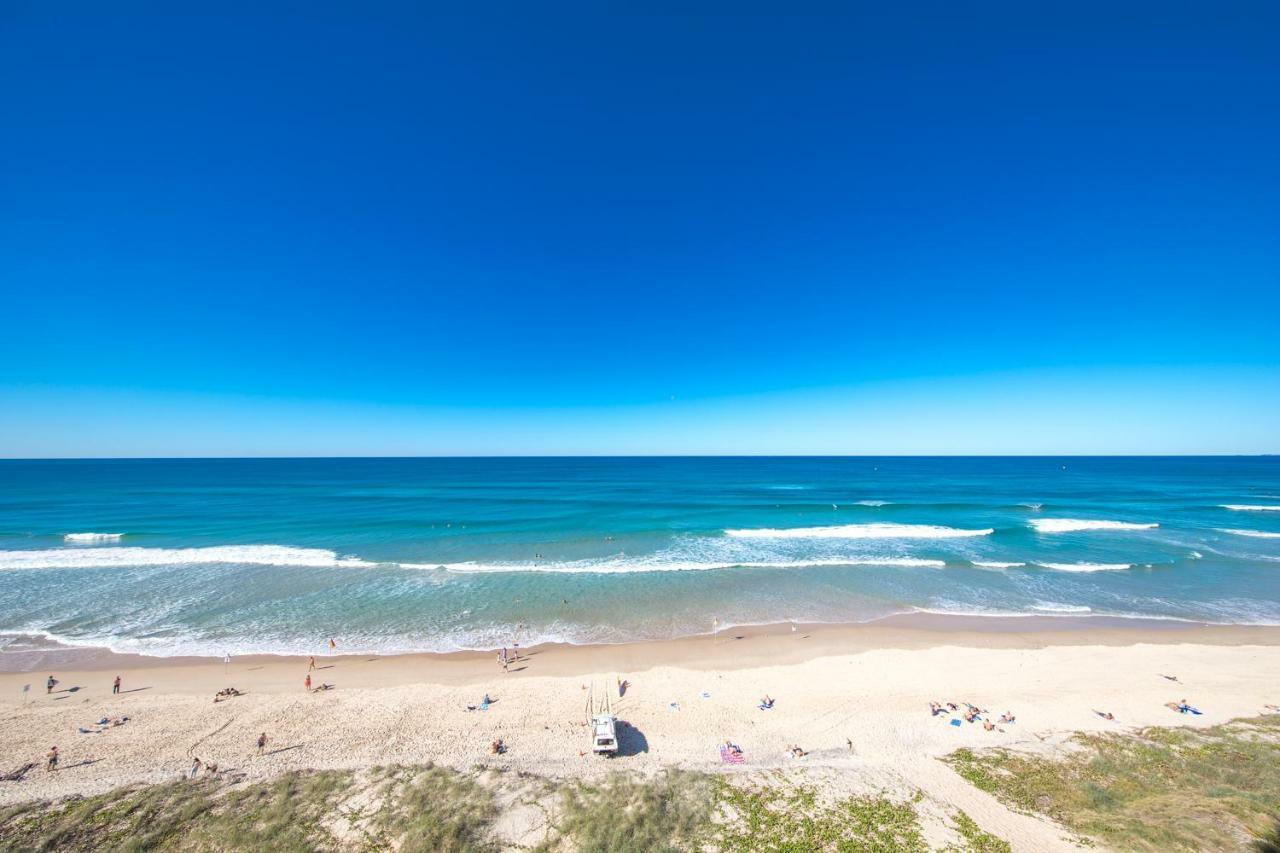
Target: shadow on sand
631, 741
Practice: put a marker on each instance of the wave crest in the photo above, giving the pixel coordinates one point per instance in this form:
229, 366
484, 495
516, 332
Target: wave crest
1087, 567
1069, 525
92, 537
96, 558
859, 531
1252, 507
1256, 534
628, 566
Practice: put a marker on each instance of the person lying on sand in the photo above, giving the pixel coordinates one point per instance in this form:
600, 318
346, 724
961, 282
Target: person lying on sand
766, 703
733, 747
322, 687
935, 709
1106, 715
226, 693
796, 751
1007, 717
952, 706
988, 725
971, 715
1181, 707
17, 775
497, 747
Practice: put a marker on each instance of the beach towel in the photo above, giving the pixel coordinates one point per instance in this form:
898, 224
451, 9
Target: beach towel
728, 756
955, 722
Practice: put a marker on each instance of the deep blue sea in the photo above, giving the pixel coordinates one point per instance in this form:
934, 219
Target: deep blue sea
172, 557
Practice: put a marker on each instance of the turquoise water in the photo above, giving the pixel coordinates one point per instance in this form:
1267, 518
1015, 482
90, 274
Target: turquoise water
214, 556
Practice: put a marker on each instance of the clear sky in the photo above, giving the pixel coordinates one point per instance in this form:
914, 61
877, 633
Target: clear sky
385, 228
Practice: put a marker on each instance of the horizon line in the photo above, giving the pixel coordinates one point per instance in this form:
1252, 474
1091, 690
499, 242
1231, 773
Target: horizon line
1208, 455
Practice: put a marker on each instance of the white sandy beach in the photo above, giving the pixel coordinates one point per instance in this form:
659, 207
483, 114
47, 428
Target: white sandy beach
831, 686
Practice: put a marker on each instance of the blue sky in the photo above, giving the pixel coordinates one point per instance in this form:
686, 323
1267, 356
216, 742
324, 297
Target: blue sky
324, 229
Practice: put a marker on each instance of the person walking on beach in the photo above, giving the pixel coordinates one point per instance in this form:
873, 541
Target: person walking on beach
195, 767
307, 683
311, 663
48, 685
51, 760
262, 742
333, 647
115, 685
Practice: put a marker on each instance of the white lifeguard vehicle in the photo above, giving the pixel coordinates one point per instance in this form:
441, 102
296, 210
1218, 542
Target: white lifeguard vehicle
603, 724
604, 734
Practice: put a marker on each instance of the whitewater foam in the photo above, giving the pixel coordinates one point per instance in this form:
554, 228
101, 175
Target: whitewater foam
629, 566
96, 558
859, 531
996, 564
1055, 607
1068, 525
1256, 534
872, 503
92, 537
1252, 507
1086, 567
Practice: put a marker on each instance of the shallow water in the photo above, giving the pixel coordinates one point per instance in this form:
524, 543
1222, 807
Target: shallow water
214, 556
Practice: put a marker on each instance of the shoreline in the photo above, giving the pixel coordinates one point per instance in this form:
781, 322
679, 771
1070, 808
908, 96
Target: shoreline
854, 697
784, 642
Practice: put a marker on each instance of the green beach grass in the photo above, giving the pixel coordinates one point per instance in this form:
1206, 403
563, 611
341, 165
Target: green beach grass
436, 809
1157, 789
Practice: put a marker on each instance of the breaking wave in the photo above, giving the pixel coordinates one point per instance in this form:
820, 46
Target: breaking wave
1069, 525
1256, 534
859, 531
1087, 567
627, 566
92, 537
96, 558
1252, 507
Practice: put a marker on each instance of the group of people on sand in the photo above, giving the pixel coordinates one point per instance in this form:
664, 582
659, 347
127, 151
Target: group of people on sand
103, 724
197, 765
226, 693
505, 659
306, 683
971, 714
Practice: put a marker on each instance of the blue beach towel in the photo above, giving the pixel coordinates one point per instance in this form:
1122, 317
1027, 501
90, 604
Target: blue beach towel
955, 722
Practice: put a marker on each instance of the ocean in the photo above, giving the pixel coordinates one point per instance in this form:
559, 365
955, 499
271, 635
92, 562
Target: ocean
233, 556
